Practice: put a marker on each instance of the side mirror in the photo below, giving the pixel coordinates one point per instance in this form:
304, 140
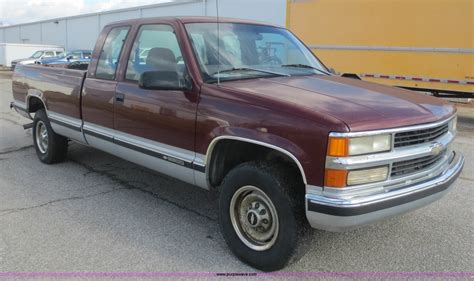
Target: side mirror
69, 57
163, 80
333, 71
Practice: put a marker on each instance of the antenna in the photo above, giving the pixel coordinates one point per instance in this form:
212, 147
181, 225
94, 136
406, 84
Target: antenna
218, 46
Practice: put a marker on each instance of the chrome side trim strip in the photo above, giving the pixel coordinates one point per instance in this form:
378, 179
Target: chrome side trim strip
20, 108
97, 131
19, 105
217, 139
66, 121
393, 49
149, 161
176, 153
178, 156
66, 126
153, 153
200, 177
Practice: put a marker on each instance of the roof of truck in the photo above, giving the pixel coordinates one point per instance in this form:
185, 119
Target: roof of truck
190, 19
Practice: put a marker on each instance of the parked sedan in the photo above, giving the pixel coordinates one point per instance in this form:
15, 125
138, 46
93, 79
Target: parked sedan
82, 56
37, 56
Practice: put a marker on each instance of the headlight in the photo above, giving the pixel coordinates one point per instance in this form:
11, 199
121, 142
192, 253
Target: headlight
372, 144
359, 145
453, 124
352, 146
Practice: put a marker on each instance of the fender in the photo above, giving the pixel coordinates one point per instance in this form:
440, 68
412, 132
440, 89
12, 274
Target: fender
293, 151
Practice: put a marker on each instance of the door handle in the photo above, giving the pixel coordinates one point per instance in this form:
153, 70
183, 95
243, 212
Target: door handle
119, 97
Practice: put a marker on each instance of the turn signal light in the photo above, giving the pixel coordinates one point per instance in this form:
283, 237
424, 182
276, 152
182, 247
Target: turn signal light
338, 147
335, 178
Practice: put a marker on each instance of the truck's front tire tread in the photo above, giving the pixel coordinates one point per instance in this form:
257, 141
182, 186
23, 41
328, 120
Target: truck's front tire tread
281, 184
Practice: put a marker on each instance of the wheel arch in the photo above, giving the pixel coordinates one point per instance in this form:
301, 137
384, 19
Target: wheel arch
211, 153
35, 101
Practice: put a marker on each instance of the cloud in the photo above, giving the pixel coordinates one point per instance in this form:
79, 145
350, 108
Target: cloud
22, 11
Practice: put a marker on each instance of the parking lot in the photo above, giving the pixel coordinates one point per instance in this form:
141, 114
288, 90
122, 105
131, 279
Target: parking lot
96, 212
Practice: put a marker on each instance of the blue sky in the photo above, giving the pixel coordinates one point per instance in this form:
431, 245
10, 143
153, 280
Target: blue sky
22, 11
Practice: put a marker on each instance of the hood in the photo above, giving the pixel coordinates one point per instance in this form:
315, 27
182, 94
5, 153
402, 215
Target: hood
360, 105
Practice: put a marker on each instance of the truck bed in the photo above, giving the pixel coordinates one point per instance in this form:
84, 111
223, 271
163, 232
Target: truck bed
59, 88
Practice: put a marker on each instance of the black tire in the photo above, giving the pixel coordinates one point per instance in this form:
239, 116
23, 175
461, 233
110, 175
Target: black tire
55, 150
286, 192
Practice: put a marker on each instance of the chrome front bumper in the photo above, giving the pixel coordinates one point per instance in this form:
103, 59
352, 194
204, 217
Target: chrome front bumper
340, 214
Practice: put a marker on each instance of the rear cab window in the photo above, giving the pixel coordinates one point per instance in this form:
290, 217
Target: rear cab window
110, 53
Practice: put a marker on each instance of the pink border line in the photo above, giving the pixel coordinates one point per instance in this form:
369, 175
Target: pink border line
236, 274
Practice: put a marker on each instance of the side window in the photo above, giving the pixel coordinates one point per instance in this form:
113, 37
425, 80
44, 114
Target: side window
48, 54
110, 53
156, 48
87, 55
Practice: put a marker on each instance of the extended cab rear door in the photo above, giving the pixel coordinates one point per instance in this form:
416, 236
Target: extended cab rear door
99, 88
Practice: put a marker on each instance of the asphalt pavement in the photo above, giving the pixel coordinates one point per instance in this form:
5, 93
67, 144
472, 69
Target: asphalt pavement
99, 213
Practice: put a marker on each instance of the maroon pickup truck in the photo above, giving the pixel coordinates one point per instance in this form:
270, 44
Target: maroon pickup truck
247, 109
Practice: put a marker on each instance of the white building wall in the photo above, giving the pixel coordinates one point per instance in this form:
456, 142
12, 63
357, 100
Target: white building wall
30, 34
81, 32
3, 55
108, 18
195, 8
12, 34
54, 33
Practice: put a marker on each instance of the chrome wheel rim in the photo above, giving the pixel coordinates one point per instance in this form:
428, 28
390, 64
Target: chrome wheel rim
41, 137
254, 218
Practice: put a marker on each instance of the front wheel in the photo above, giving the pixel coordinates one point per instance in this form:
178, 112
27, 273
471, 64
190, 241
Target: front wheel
50, 147
261, 214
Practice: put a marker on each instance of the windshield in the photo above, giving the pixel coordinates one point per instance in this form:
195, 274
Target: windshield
250, 51
37, 54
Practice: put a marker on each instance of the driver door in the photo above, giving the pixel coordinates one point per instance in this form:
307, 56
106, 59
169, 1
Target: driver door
157, 123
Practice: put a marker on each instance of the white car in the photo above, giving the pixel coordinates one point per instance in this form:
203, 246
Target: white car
37, 56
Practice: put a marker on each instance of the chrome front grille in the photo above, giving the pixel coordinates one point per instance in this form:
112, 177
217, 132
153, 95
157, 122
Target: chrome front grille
403, 168
420, 136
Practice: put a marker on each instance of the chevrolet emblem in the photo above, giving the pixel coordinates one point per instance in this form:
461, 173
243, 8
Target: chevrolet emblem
436, 148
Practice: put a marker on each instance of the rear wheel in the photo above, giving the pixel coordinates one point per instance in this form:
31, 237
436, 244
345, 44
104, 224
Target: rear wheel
50, 147
261, 214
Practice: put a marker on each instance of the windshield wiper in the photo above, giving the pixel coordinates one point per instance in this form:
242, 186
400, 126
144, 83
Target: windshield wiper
250, 69
300, 65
